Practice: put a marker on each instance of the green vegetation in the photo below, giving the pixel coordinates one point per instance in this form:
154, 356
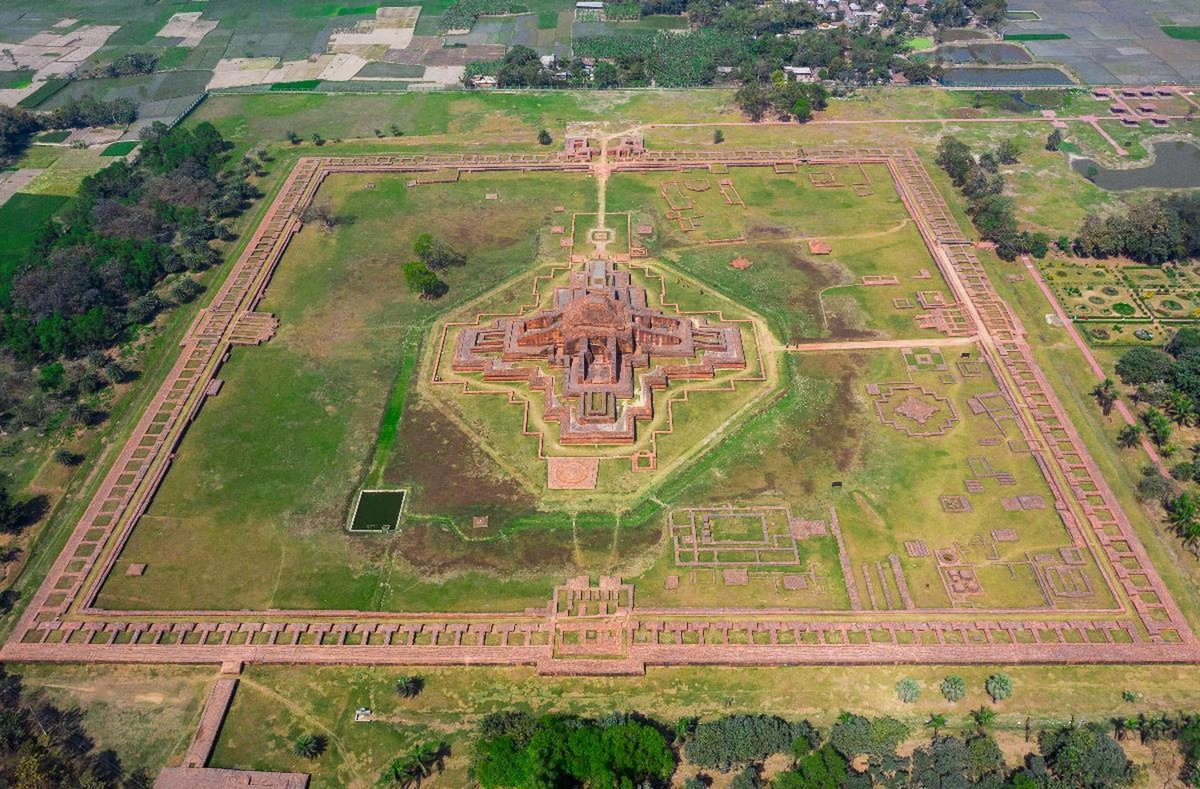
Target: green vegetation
1036, 37
991, 211
23, 219
299, 85
39, 96
120, 148
1155, 231
1182, 32
20, 78
53, 136
516, 749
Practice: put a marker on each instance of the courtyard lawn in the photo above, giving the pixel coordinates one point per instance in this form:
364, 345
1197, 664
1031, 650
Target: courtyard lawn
802, 296
303, 411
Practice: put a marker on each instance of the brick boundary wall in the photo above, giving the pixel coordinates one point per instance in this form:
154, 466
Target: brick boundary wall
61, 624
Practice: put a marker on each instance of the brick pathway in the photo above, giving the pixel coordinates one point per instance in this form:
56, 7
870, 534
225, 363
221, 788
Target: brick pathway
601, 630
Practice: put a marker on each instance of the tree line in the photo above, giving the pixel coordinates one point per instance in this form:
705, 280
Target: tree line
518, 749
743, 41
122, 251
1156, 231
991, 211
17, 126
1165, 384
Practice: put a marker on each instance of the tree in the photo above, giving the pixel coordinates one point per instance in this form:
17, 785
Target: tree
754, 99
955, 158
801, 110
605, 75
953, 688
292, 137
1054, 140
908, 690
11, 513
1106, 395
310, 746
410, 686
824, 768
317, 138
1180, 408
983, 717
1129, 436
1183, 512
544, 137
748, 778
1008, 151
1143, 366
999, 686
718, 136
437, 253
1154, 487
1158, 426
1085, 756
421, 279
1183, 471
742, 739
1184, 340
937, 722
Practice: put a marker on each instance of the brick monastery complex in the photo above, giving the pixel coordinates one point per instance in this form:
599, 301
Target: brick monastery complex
598, 333
587, 350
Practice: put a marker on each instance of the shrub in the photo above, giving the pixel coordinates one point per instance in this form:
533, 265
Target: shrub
954, 688
908, 690
1182, 472
999, 687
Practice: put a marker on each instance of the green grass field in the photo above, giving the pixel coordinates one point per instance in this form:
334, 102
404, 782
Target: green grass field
1182, 32
120, 148
21, 220
1036, 37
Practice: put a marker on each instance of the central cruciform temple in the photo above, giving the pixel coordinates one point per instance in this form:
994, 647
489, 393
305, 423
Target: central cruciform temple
598, 353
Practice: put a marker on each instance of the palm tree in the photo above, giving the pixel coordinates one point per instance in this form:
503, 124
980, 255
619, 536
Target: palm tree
410, 686
1129, 436
1158, 426
1183, 511
983, 717
403, 771
937, 721
310, 746
1106, 395
1180, 408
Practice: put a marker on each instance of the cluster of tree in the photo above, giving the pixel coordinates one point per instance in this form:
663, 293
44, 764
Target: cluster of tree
959, 13
1167, 384
1155, 231
518, 749
43, 745
91, 111
434, 255
982, 184
127, 65
93, 275
788, 100
16, 127
748, 41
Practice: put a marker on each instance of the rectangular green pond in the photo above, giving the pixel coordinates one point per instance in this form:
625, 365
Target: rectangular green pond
377, 510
